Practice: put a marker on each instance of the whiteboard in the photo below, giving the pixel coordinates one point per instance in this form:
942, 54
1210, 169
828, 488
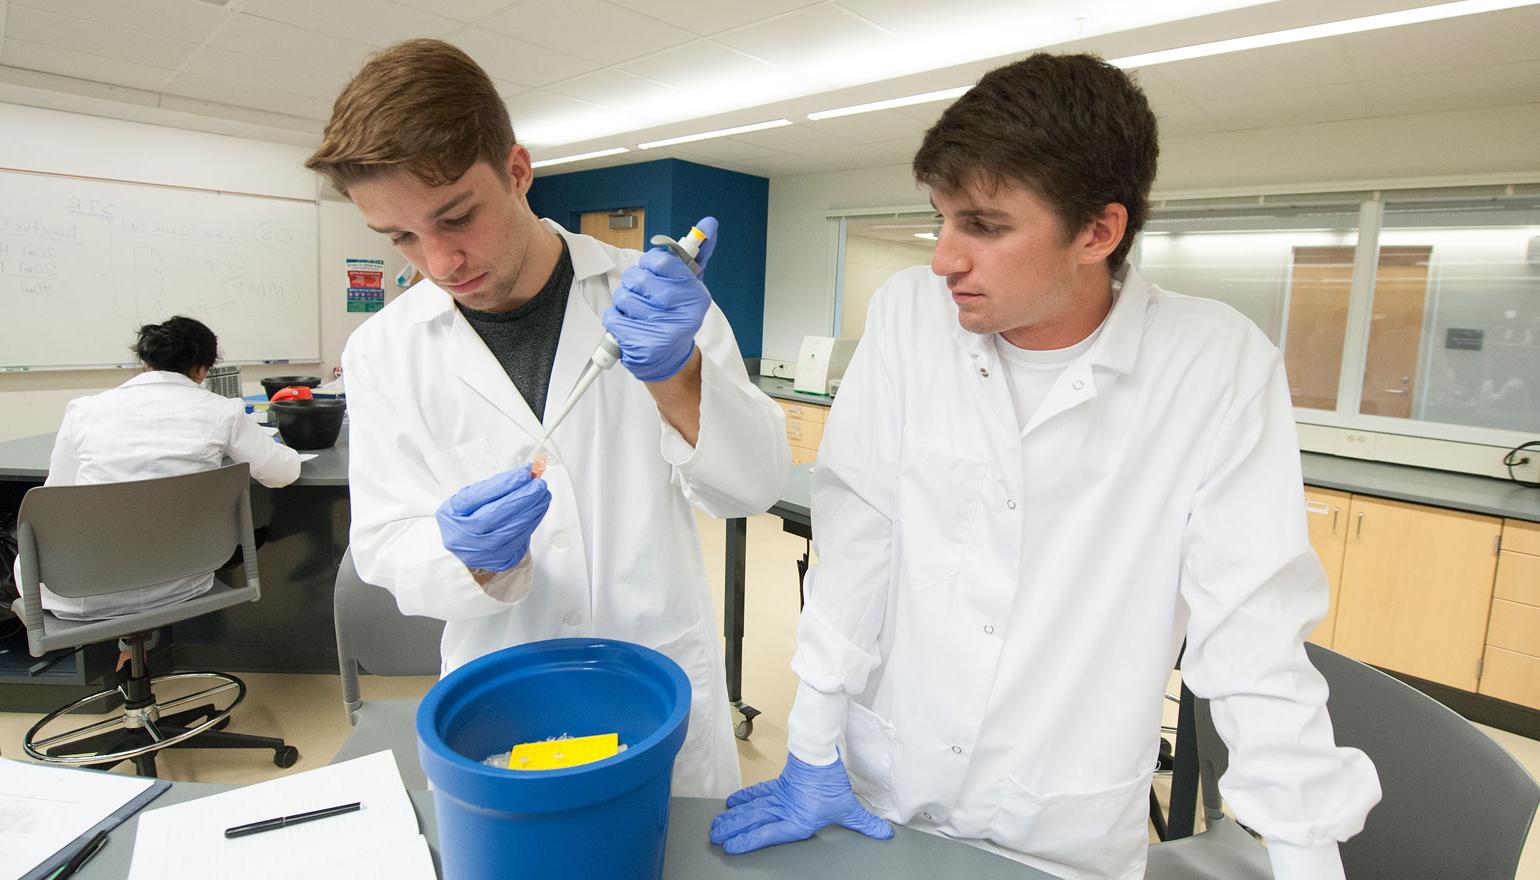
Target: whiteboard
84, 262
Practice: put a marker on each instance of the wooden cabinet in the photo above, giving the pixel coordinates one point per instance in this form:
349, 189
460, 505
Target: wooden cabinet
804, 429
1326, 514
1416, 589
1512, 668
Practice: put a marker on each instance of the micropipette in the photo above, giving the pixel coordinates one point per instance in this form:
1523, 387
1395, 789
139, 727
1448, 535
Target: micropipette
608, 350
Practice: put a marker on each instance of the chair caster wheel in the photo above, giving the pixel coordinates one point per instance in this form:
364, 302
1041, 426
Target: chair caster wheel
286, 757
223, 723
745, 729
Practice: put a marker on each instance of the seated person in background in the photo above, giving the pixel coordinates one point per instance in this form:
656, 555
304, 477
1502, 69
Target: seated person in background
160, 423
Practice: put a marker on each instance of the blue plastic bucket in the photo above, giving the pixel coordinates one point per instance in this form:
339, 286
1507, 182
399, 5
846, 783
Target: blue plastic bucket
608, 819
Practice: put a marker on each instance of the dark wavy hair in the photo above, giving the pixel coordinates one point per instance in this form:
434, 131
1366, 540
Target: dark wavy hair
1072, 129
178, 345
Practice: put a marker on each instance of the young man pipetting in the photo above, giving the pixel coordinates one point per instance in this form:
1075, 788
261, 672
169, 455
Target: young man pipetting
1043, 475
450, 384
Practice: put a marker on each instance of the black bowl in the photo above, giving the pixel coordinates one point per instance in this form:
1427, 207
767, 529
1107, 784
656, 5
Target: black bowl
271, 384
309, 424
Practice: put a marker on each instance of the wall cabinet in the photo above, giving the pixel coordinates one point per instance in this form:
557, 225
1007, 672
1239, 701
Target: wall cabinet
1326, 514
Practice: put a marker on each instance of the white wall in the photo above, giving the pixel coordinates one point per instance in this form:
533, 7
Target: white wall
799, 286
869, 263
33, 139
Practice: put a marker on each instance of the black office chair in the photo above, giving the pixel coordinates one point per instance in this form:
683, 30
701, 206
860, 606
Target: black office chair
95, 540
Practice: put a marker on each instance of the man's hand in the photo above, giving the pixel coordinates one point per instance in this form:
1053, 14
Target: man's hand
793, 806
658, 309
487, 525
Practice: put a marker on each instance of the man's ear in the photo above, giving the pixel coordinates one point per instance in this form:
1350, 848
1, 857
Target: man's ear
1104, 233
519, 170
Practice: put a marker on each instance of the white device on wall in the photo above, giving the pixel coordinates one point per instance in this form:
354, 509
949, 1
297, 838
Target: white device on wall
822, 360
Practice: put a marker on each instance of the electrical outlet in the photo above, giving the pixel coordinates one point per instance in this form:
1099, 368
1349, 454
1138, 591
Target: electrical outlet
1356, 444
777, 369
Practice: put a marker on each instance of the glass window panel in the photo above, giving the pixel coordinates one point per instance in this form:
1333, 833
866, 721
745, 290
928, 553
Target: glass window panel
1455, 335
875, 248
1287, 267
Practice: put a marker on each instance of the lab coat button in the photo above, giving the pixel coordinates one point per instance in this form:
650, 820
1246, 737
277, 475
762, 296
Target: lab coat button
571, 618
984, 371
561, 542
1078, 385
989, 630
957, 750
928, 817
1010, 503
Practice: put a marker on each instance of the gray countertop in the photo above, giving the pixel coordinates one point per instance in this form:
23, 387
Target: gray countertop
782, 389
26, 459
835, 854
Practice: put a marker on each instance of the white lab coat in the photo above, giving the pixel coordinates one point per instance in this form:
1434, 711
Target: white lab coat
157, 424
1003, 605
617, 554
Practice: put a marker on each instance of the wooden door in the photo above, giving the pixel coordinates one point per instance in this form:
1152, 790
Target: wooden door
1417, 589
1320, 284
1395, 333
1326, 514
599, 225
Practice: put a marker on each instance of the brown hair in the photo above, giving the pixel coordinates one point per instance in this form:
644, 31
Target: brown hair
422, 106
1072, 129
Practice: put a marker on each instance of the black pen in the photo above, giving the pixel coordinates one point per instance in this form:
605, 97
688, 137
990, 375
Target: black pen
80, 858
296, 819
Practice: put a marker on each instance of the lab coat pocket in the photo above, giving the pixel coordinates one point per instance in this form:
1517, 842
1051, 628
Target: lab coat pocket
939, 496
868, 756
462, 465
694, 655
1093, 834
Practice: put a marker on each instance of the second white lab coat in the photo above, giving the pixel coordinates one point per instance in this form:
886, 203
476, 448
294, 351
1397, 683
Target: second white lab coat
617, 554
156, 424
1002, 606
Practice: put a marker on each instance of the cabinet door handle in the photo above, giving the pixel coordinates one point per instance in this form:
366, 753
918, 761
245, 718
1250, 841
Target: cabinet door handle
1334, 512
1360, 532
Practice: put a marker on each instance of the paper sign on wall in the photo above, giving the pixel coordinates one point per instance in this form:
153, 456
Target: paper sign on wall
366, 289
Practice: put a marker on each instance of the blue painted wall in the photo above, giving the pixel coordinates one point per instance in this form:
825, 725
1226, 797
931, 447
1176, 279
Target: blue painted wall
675, 194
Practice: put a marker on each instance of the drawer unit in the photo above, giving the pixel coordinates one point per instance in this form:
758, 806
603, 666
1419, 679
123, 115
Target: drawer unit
1521, 537
1518, 577
804, 429
1509, 675
1515, 627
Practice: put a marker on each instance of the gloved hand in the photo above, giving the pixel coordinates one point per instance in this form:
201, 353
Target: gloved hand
488, 524
658, 309
793, 806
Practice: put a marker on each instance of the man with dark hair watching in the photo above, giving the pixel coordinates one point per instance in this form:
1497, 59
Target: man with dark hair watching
1041, 476
160, 423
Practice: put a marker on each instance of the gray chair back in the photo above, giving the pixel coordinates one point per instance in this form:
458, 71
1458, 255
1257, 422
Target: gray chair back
373, 633
1455, 803
103, 538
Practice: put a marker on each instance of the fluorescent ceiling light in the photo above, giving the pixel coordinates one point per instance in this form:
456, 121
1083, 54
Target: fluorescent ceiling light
924, 98
1318, 31
928, 236
596, 154
721, 132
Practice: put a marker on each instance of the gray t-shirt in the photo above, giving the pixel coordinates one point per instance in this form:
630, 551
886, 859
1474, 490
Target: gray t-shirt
524, 340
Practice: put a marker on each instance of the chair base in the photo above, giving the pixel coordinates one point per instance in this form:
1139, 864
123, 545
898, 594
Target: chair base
145, 726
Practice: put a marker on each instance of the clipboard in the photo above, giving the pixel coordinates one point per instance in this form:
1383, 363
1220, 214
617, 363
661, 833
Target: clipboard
117, 817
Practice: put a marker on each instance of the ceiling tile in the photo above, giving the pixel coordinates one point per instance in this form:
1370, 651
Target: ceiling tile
1181, 119
460, 10
620, 91
591, 29
881, 125
699, 61
287, 44
195, 121
801, 137
720, 149
31, 56
773, 166
367, 21
1274, 69
517, 61
245, 115
1294, 107
186, 20
1469, 41
245, 93
236, 67
825, 37
1157, 88
711, 18
79, 35
1497, 86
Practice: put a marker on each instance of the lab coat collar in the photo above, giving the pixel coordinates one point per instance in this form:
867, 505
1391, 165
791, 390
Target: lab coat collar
160, 377
427, 301
1118, 347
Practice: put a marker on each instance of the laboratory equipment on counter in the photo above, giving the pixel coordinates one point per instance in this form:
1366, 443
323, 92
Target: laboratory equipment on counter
608, 350
822, 360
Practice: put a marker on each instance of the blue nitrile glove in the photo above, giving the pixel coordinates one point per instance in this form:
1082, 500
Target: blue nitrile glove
488, 524
658, 309
793, 806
